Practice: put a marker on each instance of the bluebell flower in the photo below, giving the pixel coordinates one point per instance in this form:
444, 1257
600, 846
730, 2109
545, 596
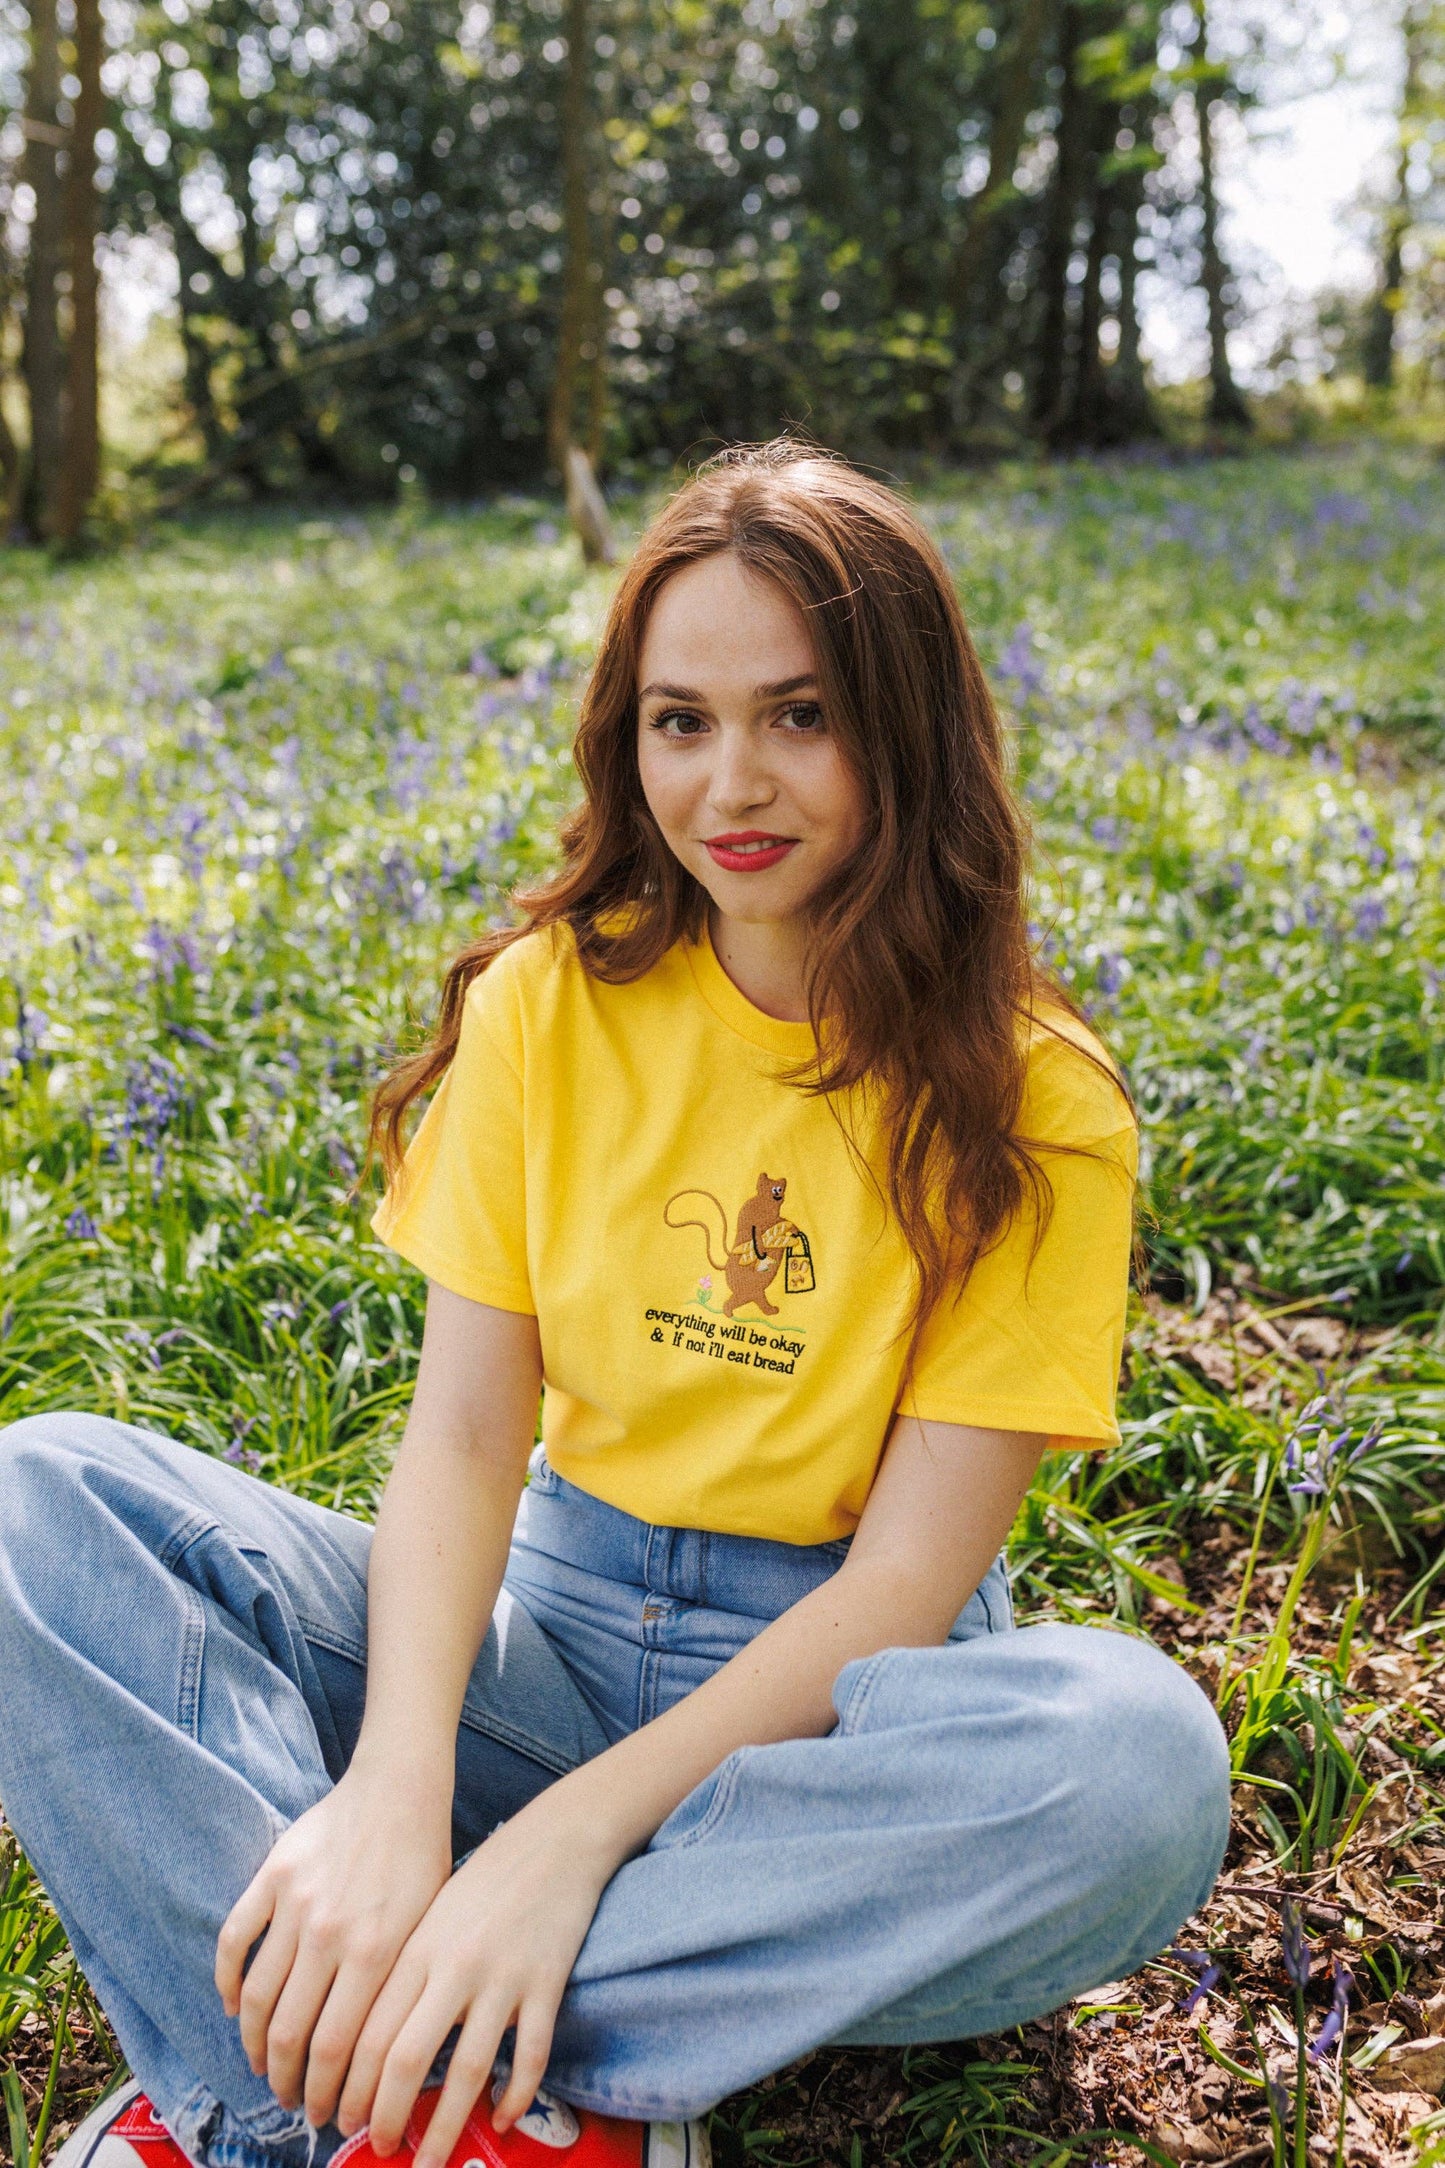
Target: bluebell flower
155, 1093
1209, 1975
1334, 2023
1019, 663
341, 1158
80, 1226
1294, 1945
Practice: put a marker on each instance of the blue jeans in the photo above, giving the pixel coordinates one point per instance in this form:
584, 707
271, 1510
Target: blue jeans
993, 1826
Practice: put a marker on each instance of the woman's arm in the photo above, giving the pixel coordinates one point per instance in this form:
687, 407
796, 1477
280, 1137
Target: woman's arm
440, 1547
345, 1885
500, 1940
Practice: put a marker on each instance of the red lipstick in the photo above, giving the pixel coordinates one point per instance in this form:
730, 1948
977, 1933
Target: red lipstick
748, 850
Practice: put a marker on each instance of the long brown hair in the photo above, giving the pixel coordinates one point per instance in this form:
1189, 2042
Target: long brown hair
920, 959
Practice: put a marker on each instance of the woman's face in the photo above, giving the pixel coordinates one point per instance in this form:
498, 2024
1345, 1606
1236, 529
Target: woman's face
742, 775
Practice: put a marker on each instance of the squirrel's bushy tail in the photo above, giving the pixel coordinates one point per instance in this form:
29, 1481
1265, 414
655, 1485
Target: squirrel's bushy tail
717, 1263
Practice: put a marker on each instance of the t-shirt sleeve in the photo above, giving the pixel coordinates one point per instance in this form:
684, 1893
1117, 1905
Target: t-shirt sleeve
457, 1208
1034, 1341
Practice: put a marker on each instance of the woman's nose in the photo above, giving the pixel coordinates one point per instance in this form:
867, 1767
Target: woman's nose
739, 777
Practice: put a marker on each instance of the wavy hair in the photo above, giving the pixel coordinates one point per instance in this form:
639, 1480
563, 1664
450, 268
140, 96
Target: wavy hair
920, 959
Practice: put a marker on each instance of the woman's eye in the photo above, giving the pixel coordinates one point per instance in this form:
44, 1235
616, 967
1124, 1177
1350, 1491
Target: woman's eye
687, 724
805, 715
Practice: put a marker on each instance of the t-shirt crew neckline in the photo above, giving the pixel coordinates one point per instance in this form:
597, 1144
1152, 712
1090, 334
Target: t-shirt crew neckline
775, 1033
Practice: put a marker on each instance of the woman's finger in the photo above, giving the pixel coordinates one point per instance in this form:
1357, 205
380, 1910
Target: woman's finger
248, 1918
530, 2057
261, 1988
288, 2036
388, 2013
335, 2039
469, 2073
408, 2060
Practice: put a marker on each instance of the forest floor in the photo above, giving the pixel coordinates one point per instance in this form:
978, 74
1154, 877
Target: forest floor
267, 771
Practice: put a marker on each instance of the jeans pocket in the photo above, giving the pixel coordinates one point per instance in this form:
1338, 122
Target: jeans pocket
989, 1609
694, 1816
542, 1477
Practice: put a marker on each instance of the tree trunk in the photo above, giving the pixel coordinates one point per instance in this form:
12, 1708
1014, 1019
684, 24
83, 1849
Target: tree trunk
42, 357
576, 238
1071, 136
1379, 354
975, 265
598, 315
1079, 420
1005, 141
12, 473
1129, 410
80, 467
1227, 409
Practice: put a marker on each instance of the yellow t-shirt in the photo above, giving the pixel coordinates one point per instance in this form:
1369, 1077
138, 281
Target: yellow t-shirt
719, 1291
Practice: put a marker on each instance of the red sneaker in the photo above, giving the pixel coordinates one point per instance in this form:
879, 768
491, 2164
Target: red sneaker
123, 2132
550, 2135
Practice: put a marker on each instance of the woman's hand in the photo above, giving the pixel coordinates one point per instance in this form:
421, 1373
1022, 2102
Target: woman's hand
495, 1949
336, 1899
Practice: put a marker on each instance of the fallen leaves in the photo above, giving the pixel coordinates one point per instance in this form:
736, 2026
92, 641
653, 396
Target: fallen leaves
1412, 2066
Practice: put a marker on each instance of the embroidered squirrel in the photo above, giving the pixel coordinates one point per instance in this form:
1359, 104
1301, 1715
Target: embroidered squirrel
759, 1243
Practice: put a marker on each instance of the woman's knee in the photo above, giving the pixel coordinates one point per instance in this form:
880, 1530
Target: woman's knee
1154, 1759
47, 1503
46, 1449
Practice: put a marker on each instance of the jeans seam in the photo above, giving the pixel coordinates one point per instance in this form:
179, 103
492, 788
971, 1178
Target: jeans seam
327, 1637
488, 1726
856, 1707
536, 1750
726, 1784
193, 1649
181, 1537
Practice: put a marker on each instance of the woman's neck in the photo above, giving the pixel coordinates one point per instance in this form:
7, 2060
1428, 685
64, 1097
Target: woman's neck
766, 961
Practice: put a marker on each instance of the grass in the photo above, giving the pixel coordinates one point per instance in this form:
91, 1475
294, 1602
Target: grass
268, 771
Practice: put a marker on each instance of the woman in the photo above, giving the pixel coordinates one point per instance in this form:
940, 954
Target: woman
764, 1147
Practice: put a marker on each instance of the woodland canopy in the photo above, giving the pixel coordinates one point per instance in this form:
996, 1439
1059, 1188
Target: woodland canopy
449, 237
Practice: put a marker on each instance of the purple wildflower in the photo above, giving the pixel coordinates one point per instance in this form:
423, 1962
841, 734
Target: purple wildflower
1339, 2009
1020, 663
1209, 1975
155, 1093
341, 1158
80, 1226
1294, 1945
1316, 1464
1371, 1438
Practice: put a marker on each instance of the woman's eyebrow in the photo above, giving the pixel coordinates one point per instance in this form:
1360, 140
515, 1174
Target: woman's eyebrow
760, 692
